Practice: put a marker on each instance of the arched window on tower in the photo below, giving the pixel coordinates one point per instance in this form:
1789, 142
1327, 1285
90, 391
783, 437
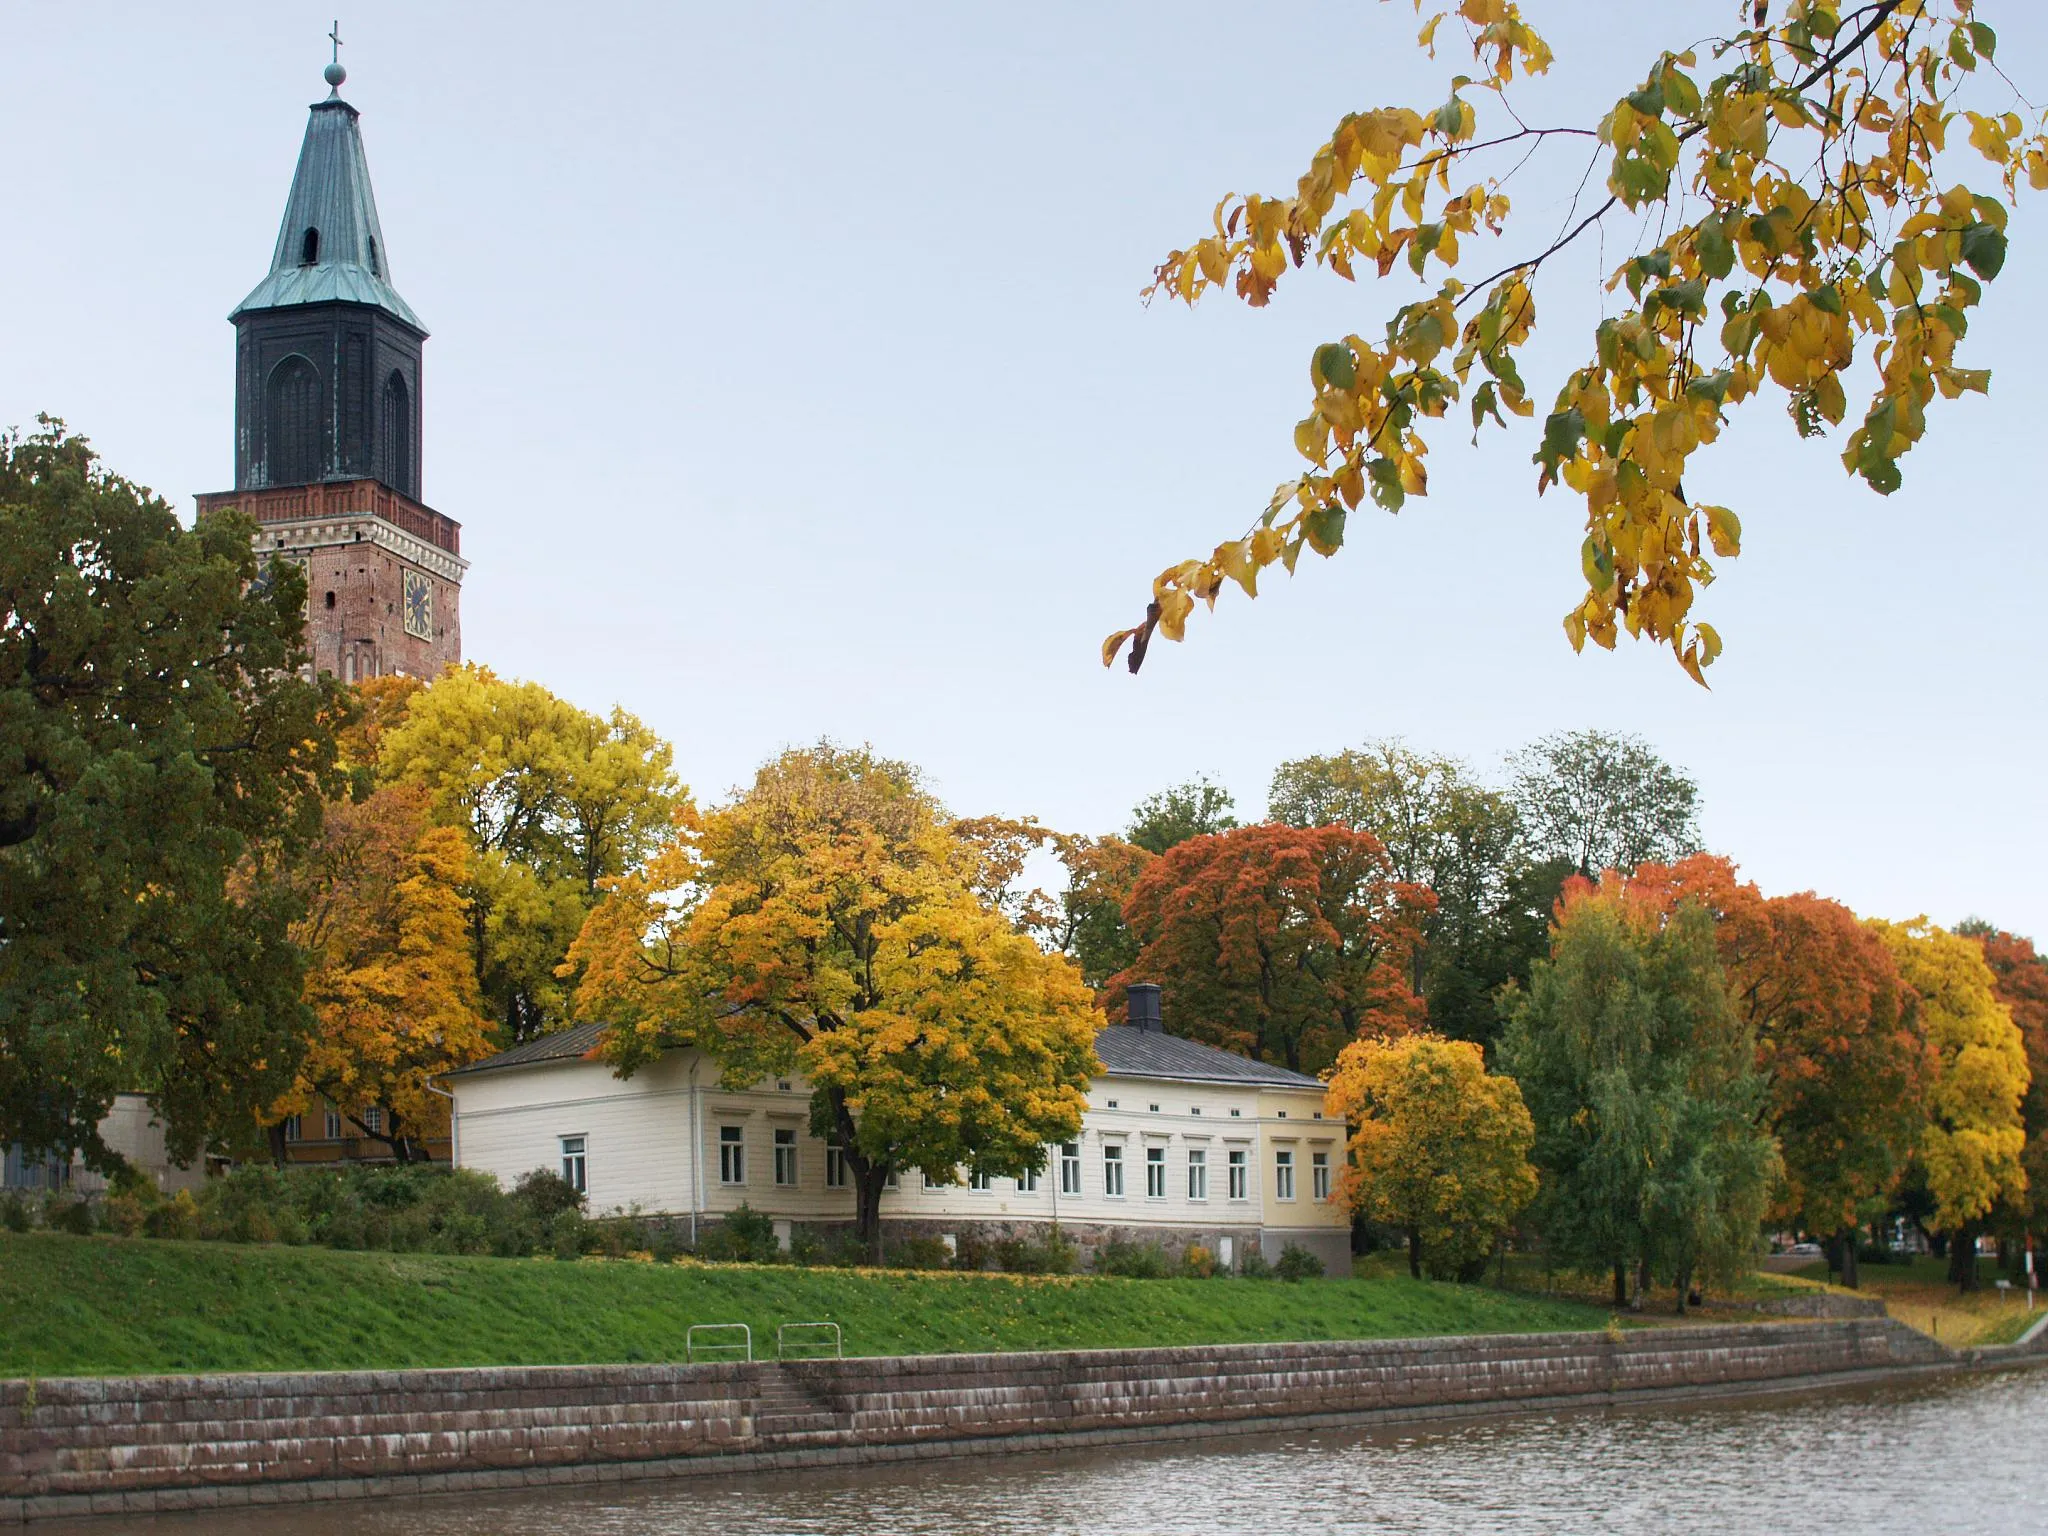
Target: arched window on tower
309, 248
395, 432
375, 270
293, 439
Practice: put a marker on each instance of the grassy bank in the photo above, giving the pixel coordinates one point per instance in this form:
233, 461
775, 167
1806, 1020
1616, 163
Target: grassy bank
107, 1306
1921, 1296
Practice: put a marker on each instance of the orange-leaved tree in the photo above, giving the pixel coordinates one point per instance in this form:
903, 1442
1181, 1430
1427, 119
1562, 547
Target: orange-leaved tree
390, 982
1837, 1040
1282, 943
1972, 1143
828, 922
1439, 1147
1785, 202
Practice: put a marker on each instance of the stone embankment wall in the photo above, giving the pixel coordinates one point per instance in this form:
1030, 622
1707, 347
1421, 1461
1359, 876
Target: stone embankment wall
80, 1446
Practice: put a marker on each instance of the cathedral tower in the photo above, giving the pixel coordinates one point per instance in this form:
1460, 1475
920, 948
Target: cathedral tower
328, 363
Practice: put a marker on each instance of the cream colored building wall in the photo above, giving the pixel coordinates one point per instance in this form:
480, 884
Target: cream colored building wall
653, 1141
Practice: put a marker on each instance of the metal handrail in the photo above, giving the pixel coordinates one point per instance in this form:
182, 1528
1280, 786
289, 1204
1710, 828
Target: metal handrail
838, 1341
691, 1346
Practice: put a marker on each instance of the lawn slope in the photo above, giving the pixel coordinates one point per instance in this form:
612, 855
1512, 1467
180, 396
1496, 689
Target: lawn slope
72, 1306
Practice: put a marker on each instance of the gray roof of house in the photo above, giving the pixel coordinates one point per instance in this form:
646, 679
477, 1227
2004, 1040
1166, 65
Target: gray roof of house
562, 1045
331, 193
1125, 1052
1128, 1052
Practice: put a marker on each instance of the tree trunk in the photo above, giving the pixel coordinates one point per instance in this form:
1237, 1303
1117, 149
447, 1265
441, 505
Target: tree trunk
1642, 1283
1415, 1253
868, 1187
1962, 1258
1851, 1277
275, 1136
1684, 1285
1620, 1284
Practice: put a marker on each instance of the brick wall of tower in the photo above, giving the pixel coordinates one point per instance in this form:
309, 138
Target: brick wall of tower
362, 634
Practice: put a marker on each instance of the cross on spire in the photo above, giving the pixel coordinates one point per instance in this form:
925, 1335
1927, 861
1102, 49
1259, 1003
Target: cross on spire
334, 74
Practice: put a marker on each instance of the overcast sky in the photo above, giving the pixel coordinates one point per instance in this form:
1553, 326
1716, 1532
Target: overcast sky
789, 378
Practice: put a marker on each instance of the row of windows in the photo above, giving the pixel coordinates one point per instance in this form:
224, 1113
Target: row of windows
331, 1124
1196, 1109
732, 1169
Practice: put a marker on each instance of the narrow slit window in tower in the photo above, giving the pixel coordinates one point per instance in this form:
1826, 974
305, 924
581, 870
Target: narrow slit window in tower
309, 248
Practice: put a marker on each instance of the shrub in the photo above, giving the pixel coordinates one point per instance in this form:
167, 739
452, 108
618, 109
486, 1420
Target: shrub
68, 1213
917, 1253
972, 1251
664, 1247
177, 1217
546, 1193
1253, 1265
1198, 1263
806, 1248
1297, 1263
1133, 1261
124, 1214
1047, 1255
15, 1215
752, 1234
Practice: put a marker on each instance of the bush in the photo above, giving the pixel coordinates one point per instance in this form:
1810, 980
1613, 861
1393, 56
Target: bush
972, 1251
125, 1214
1253, 1265
177, 1217
1198, 1263
1297, 1263
1047, 1255
1133, 1261
68, 1213
665, 1247
15, 1215
917, 1253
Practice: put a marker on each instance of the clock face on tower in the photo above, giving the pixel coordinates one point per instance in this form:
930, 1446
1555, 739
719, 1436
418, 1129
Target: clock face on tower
419, 606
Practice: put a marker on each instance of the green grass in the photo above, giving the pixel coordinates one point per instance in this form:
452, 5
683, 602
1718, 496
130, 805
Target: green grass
72, 1306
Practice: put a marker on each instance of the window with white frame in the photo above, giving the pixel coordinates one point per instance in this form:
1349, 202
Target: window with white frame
785, 1157
1319, 1174
575, 1163
1155, 1173
1070, 1167
980, 1182
835, 1165
331, 1123
1113, 1171
1283, 1175
1198, 1174
732, 1154
373, 1120
892, 1180
292, 1126
1027, 1181
1239, 1173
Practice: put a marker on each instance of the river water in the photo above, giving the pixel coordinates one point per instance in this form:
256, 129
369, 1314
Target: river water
1957, 1457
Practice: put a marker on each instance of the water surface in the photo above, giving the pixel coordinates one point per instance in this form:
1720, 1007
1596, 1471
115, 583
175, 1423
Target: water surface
1960, 1457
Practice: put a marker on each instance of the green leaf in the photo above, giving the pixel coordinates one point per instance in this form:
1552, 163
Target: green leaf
1336, 366
1385, 475
1649, 100
1717, 251
1984, 250
1563, 431
1325, 529
1985, 39
1827, 298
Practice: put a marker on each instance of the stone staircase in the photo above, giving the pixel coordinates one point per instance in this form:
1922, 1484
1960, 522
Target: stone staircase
792, 1409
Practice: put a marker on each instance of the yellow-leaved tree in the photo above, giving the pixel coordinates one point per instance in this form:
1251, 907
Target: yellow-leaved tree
553, 800
1439, 1149
1973, 1141
1786, 196
828, 922
390, 980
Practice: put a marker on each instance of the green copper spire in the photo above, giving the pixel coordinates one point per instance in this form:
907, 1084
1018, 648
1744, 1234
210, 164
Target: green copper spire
329, 247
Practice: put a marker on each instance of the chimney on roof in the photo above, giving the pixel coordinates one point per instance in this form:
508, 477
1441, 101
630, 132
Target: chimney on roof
1142, 1008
